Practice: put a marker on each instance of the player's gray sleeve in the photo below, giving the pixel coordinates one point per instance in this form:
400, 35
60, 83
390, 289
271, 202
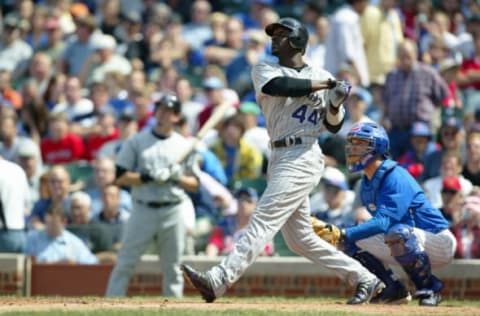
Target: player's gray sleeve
262, 73
127, 156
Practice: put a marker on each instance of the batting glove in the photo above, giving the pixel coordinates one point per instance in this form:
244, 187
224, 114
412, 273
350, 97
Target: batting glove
337, 95
161, 175
316, 98
176, 171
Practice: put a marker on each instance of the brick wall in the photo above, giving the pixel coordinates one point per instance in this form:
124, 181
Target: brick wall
280, 276
12, 274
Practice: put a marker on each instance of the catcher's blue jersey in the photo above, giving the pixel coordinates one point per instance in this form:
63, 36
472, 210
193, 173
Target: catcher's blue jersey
393, 196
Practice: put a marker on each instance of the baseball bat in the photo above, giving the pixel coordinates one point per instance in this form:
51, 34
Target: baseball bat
213, 120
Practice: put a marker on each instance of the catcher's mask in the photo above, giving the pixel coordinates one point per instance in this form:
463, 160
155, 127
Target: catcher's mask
298, 34
365, 143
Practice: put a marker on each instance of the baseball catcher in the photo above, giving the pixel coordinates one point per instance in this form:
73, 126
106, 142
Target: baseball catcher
404, 229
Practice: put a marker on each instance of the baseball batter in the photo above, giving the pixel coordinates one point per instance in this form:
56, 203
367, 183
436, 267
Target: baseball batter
404, 229
295, 107
147, 163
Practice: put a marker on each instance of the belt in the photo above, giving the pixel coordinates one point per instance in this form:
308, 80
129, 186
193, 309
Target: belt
287, 141
155, 204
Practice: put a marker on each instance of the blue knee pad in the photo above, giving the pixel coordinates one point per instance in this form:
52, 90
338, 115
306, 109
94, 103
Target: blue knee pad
406, 250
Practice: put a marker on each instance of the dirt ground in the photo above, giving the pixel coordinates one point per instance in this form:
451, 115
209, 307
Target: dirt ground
78, 304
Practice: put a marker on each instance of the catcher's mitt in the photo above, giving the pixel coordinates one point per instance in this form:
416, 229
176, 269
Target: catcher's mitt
326, 231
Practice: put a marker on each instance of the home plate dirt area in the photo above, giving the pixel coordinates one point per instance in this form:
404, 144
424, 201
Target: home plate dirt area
14, 304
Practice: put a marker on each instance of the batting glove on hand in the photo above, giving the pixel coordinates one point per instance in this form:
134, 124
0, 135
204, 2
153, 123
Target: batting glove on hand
338, 94
176, 171
316, 98
161, 175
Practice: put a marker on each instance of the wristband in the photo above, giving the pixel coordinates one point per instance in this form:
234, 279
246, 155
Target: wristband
145, 177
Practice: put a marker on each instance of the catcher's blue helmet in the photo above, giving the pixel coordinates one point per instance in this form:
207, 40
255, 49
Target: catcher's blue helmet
375, 144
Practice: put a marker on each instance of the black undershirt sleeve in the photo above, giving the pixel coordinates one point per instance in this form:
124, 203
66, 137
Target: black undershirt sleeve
288, 87
119, 171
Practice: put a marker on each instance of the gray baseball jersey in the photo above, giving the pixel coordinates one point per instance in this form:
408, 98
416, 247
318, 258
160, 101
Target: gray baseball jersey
293, 172
145, 151
286, 116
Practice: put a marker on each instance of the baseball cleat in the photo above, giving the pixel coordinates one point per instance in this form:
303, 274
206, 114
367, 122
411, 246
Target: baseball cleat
200, 281
428, 297
395, 295
366, 291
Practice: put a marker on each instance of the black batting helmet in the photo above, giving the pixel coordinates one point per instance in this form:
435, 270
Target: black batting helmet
170, 101
298, 36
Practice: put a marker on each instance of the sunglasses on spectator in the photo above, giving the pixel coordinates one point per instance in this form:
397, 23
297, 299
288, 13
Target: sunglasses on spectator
449, 191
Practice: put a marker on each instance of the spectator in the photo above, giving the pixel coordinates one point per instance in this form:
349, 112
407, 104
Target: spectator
254, 134
55, 44
471, 169
231, 228
109, 17
58, 187
127, 126
142, 106
133, 44
77, 109
60, 146
197, 31
336, 207
104, 60
238, 70
467, 231
112, 215
234, 42
449, 70
40, 70
9, 96
104, 174
93, 234
36, 35
28, 159
410, 98
57, 245
421, 145
78, 51
357, 104
13, 207
315, 53
33, 120
451, 167
11, 142
382, 32
214, 90
345, 41
190, 107
107, 132
240, 160
14, 52
452, 138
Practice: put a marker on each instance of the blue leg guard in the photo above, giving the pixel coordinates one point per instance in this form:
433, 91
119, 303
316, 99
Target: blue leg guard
406, 250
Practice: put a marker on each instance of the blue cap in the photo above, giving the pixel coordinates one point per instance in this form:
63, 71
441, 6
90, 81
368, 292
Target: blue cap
334, 177
363, 94
420, 129
213, 83
251, 192
452, 121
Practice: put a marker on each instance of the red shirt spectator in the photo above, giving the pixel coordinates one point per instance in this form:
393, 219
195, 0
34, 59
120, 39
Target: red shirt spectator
471, 65
108, 132
94, 143
60, 146
67, 149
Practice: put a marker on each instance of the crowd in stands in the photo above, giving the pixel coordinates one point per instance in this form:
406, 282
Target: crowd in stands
79, 77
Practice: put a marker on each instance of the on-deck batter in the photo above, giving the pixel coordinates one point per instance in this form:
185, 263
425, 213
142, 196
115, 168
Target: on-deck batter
295, 108
147, 163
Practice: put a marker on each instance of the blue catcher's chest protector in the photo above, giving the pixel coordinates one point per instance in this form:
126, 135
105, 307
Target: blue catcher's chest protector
370, 189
